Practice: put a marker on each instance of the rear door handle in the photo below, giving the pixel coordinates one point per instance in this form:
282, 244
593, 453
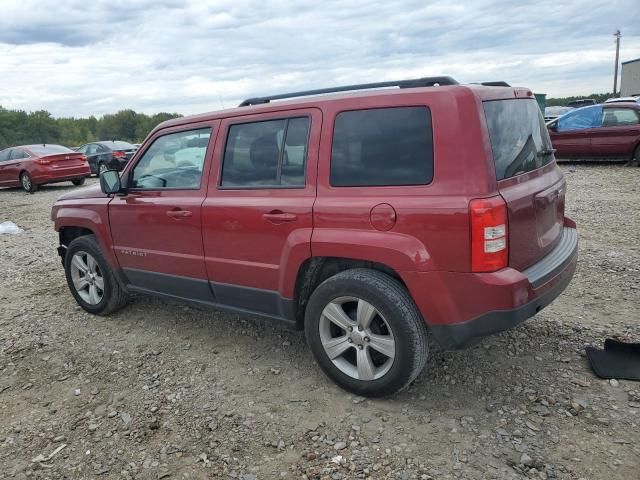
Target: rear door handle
277, 216
179, 213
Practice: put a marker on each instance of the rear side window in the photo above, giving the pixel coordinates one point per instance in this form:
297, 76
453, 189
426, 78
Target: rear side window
266, 154
519, 138
18, 153
617, 117
382, 147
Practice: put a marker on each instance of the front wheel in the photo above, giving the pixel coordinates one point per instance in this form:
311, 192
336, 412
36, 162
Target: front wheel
636, 156
366, 333
78, 181
102, 167
90, 279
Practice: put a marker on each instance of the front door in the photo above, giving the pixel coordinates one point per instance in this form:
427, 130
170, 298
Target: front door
156, 227
257, 218
571, 136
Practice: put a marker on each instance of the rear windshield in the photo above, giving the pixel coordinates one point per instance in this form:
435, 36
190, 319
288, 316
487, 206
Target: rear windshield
118, 145
519, 138
49, 149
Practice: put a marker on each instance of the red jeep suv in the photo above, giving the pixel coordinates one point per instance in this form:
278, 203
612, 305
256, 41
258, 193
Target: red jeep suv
374, 219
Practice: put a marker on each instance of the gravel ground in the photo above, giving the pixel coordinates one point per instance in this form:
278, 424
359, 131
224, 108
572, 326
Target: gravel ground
162, 390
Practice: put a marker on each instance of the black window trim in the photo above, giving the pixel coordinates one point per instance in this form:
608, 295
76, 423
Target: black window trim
385, 107
129, 178
280, 154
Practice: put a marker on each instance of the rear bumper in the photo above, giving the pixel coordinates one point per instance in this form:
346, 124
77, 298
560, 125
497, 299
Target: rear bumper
471, 306
52, 175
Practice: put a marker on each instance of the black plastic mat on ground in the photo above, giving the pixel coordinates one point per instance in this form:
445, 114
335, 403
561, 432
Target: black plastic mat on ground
618, 360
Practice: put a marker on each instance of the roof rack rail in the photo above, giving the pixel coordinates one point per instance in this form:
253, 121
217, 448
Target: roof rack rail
413, 83
498, 83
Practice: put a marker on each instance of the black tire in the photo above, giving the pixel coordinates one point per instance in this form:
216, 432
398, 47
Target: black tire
102, 167
114, 294
394, 303
636, 156
78, 181
26, 182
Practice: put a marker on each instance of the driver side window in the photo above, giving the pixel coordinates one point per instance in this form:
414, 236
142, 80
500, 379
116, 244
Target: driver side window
173, 161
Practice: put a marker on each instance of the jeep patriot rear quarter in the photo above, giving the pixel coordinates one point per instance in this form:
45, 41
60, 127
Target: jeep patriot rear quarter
371, 219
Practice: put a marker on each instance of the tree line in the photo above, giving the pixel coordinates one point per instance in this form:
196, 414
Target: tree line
563, 101
18, 127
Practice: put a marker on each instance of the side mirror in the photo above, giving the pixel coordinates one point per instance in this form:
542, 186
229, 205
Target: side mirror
110, 182
553, 126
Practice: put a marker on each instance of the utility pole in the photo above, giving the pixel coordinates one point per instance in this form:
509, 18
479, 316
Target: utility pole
615, 69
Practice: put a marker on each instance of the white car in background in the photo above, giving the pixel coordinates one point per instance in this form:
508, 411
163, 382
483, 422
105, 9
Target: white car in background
623, 99
551, 113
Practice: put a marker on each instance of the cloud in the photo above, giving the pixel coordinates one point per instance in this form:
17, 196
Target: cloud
88, 58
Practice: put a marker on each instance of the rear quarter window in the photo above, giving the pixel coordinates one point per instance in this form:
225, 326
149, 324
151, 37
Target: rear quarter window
382, 147
519, 139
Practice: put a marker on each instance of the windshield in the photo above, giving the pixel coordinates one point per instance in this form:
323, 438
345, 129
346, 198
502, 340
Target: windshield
49, 149
519, 138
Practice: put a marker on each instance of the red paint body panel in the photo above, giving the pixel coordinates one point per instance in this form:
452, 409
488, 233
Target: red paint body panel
422, 232
242, 246
89, 213
148, 232
535, 218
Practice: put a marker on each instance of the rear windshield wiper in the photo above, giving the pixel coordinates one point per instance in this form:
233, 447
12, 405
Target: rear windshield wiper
545, 152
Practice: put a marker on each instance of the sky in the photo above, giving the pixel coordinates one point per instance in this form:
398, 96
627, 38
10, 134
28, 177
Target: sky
82, 57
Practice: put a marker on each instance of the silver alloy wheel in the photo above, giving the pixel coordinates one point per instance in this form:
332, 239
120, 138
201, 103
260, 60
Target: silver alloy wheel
87, 277
357, 338
102, 168
26, 182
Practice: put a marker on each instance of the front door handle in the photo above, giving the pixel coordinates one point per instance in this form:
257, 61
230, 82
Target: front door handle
277, 216
177, 214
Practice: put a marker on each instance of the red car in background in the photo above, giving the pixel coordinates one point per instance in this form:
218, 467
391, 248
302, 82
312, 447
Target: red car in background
29, 166
607, 131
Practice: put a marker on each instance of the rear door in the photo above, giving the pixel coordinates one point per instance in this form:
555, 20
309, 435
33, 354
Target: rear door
571, 134
156, 227
91, 151
257, 218
529, 180
619, 133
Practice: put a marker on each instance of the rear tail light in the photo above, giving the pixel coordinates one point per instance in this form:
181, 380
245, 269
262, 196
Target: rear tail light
489, 241
83, 158
119, 155
42, 161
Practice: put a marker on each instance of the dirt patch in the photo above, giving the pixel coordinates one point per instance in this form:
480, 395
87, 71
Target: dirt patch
162, 390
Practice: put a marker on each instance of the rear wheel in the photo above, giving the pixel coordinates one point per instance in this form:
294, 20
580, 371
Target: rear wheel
78, 181
90, 279
27, 183
636, 156
366, 333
